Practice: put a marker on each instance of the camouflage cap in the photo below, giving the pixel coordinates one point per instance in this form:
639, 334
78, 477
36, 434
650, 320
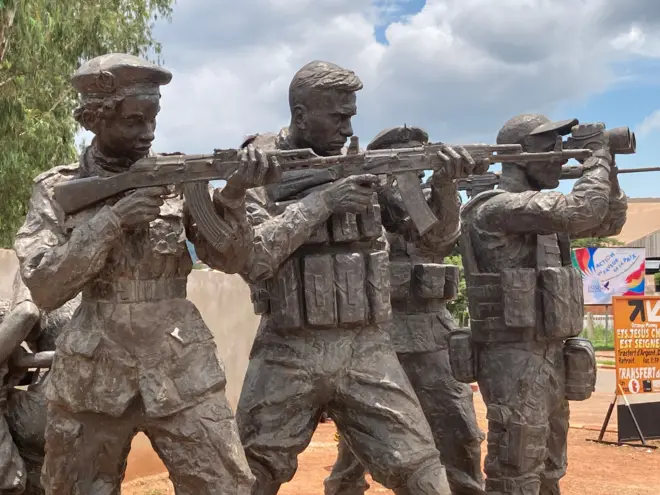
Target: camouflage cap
561, 127
394, 137
529, 124
119, 74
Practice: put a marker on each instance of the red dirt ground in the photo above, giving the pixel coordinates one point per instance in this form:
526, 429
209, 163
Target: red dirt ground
594, 469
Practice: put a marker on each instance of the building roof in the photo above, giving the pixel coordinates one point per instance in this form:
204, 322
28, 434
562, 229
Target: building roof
643, 219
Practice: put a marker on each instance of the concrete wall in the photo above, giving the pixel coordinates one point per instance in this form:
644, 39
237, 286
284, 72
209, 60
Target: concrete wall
223, 300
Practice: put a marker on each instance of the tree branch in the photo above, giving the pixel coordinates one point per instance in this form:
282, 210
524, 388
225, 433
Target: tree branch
8, 15
6, 81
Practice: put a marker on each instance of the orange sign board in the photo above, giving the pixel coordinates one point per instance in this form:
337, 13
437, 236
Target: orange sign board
637, 344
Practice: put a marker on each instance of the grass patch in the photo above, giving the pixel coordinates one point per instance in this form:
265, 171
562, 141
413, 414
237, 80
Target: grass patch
602, 339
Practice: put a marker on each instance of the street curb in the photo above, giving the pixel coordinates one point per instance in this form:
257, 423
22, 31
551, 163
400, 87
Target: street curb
590, 428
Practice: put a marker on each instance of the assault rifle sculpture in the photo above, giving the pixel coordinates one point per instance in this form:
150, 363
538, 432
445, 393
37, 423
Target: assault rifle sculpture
622, 142
193, 172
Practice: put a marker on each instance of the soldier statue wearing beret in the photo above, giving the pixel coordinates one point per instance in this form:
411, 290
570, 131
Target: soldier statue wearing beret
526, 300
319, 271
137, 355
421, 324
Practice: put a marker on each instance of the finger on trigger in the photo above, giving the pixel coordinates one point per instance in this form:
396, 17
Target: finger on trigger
365, 179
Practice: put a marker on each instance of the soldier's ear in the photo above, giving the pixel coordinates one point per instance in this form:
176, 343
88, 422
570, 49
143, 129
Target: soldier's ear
527, 142
300, 117
90, 120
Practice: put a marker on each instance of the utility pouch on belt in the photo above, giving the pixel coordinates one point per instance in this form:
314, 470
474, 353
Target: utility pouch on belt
260, 298
563, 302
580, 362
519, 297
462, 356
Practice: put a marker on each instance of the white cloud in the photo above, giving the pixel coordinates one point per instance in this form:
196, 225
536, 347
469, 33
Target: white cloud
650, 124
459, 68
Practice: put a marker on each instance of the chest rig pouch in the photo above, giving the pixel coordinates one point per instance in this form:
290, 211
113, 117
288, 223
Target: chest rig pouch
524, 304
336, 279
419, 291
462, 356
581, 370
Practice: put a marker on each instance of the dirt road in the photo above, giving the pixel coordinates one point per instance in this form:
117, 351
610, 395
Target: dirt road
594, 468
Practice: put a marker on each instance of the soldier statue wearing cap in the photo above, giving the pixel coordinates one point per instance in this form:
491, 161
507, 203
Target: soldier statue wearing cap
319, 273
526, 303
137, 355
421, 325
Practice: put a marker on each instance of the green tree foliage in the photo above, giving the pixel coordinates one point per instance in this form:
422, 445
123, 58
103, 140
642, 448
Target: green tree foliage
42, 42
459, 306
595, 242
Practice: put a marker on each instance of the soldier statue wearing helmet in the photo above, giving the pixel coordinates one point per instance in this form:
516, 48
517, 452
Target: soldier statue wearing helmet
526, 302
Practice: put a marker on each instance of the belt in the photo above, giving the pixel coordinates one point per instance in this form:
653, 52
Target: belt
135, 291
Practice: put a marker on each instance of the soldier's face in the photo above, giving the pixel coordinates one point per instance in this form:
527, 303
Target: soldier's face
130, 132
325, 121
544, 174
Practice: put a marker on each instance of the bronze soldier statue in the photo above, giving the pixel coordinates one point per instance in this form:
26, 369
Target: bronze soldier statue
137, 355
24, 409
526, 301
421, 285
319, 271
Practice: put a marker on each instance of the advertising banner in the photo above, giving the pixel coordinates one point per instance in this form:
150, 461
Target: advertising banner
610, 271
637, 344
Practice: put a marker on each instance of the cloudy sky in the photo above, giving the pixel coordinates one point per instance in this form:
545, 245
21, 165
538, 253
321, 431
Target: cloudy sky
459, 68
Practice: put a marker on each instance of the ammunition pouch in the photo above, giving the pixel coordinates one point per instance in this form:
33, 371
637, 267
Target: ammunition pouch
580, 362
563, 302
463, 356
418, 332
518, 444
422, 287
260, 298
525, 304
328, 290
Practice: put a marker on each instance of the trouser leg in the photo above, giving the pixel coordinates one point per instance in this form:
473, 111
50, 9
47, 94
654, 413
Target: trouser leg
12, 468
277, 414
85, 452
557, 461
449, 408
381, 420
347, 476
201, 449
517, 387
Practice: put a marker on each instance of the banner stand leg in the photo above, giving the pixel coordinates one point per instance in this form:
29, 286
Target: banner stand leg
606, 422
632, 415
608, 416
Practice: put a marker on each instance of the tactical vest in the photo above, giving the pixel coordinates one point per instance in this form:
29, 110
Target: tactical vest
523, 304
336, 279
419, 291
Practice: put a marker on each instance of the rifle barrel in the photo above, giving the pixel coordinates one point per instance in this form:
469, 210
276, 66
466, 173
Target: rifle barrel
635, 170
